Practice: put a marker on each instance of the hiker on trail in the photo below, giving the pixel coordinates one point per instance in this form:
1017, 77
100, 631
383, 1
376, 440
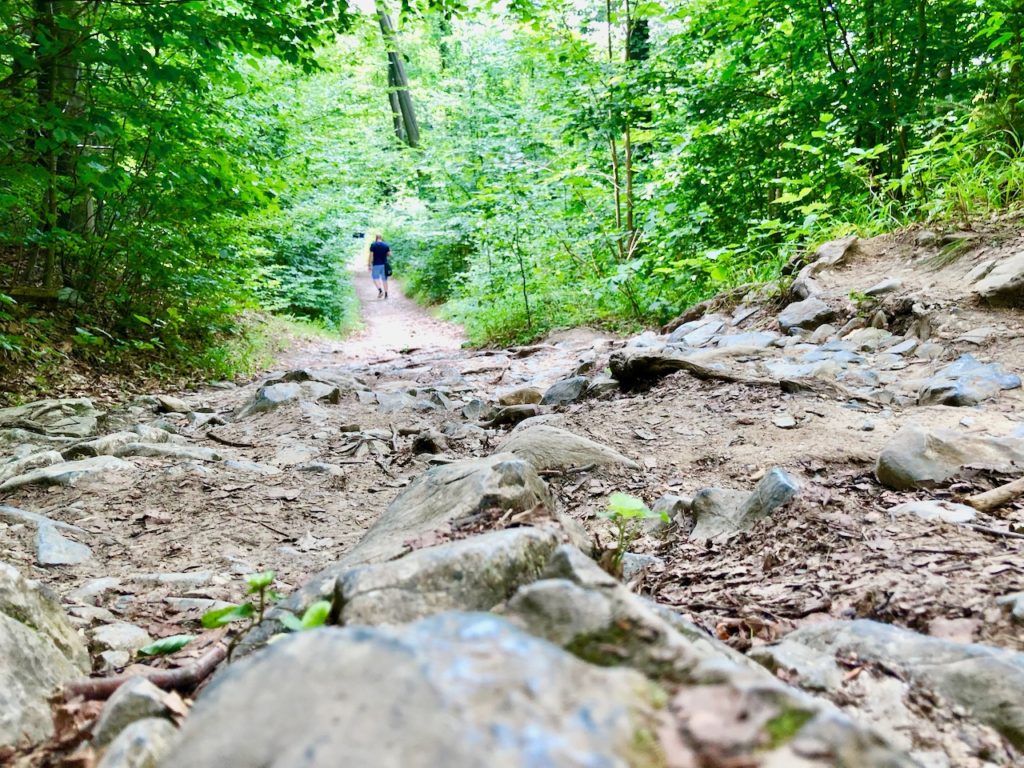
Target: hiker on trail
378, 263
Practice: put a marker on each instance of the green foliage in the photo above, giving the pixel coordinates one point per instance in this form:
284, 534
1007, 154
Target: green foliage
314, 616
626, 513
166, 645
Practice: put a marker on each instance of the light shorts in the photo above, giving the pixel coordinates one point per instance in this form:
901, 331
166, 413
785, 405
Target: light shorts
379, 273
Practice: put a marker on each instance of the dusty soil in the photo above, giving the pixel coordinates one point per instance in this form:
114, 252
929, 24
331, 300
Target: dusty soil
835, 552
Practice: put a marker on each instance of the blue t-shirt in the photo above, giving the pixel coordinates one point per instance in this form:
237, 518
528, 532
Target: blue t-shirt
380, 251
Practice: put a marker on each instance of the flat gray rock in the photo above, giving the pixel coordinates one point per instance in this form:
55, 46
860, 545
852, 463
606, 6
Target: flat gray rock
54, 549
547, 447
119, 637
809, 314
1004, 283
455, 690
916, 457
697, 333
936, 509
967, 382
69, 472
26, 464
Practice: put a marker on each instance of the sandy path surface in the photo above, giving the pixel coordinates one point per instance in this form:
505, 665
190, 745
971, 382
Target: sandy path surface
390, 327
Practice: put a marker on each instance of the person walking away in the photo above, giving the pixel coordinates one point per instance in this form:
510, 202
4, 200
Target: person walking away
378, 264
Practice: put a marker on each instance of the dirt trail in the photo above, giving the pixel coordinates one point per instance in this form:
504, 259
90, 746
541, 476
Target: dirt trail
389, 328
287, 472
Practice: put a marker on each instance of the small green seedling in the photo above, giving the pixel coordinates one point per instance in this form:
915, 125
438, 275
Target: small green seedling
251, 611
626, 512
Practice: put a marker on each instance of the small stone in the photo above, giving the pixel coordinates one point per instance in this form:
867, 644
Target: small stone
925, 238
521, 396
90, 615
566, 391
429, 441
135, 700
143, 744
601, 386
111, 661
905, 347
868, 426
879, 320
929, 351
169, 404
119, 637
784, 421
1014, 603
633, 565
54, 549
885, 286
823, 333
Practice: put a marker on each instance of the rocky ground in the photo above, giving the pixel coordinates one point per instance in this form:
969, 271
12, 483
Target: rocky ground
820, 594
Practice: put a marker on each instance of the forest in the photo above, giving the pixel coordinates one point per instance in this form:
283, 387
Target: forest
174, 172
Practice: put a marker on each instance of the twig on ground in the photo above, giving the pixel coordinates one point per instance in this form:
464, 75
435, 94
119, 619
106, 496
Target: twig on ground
269, 527
994, 531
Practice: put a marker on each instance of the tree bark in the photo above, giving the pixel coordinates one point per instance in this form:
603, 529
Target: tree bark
398, 82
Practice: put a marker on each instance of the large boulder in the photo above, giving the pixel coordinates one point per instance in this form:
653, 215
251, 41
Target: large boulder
984, 682
40, 650
454, 690
547, 447
922, 458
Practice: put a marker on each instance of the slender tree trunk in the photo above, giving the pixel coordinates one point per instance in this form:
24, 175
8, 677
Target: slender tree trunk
398, 82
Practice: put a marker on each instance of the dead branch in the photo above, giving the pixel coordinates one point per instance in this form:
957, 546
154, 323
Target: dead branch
997, 497
181, 679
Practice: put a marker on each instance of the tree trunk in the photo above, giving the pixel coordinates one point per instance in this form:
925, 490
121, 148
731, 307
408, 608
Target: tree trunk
398, 82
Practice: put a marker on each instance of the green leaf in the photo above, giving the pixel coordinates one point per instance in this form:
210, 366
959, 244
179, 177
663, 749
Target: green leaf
316, 615
166, 645
224, 616
625, 506
291, 621
259, 581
